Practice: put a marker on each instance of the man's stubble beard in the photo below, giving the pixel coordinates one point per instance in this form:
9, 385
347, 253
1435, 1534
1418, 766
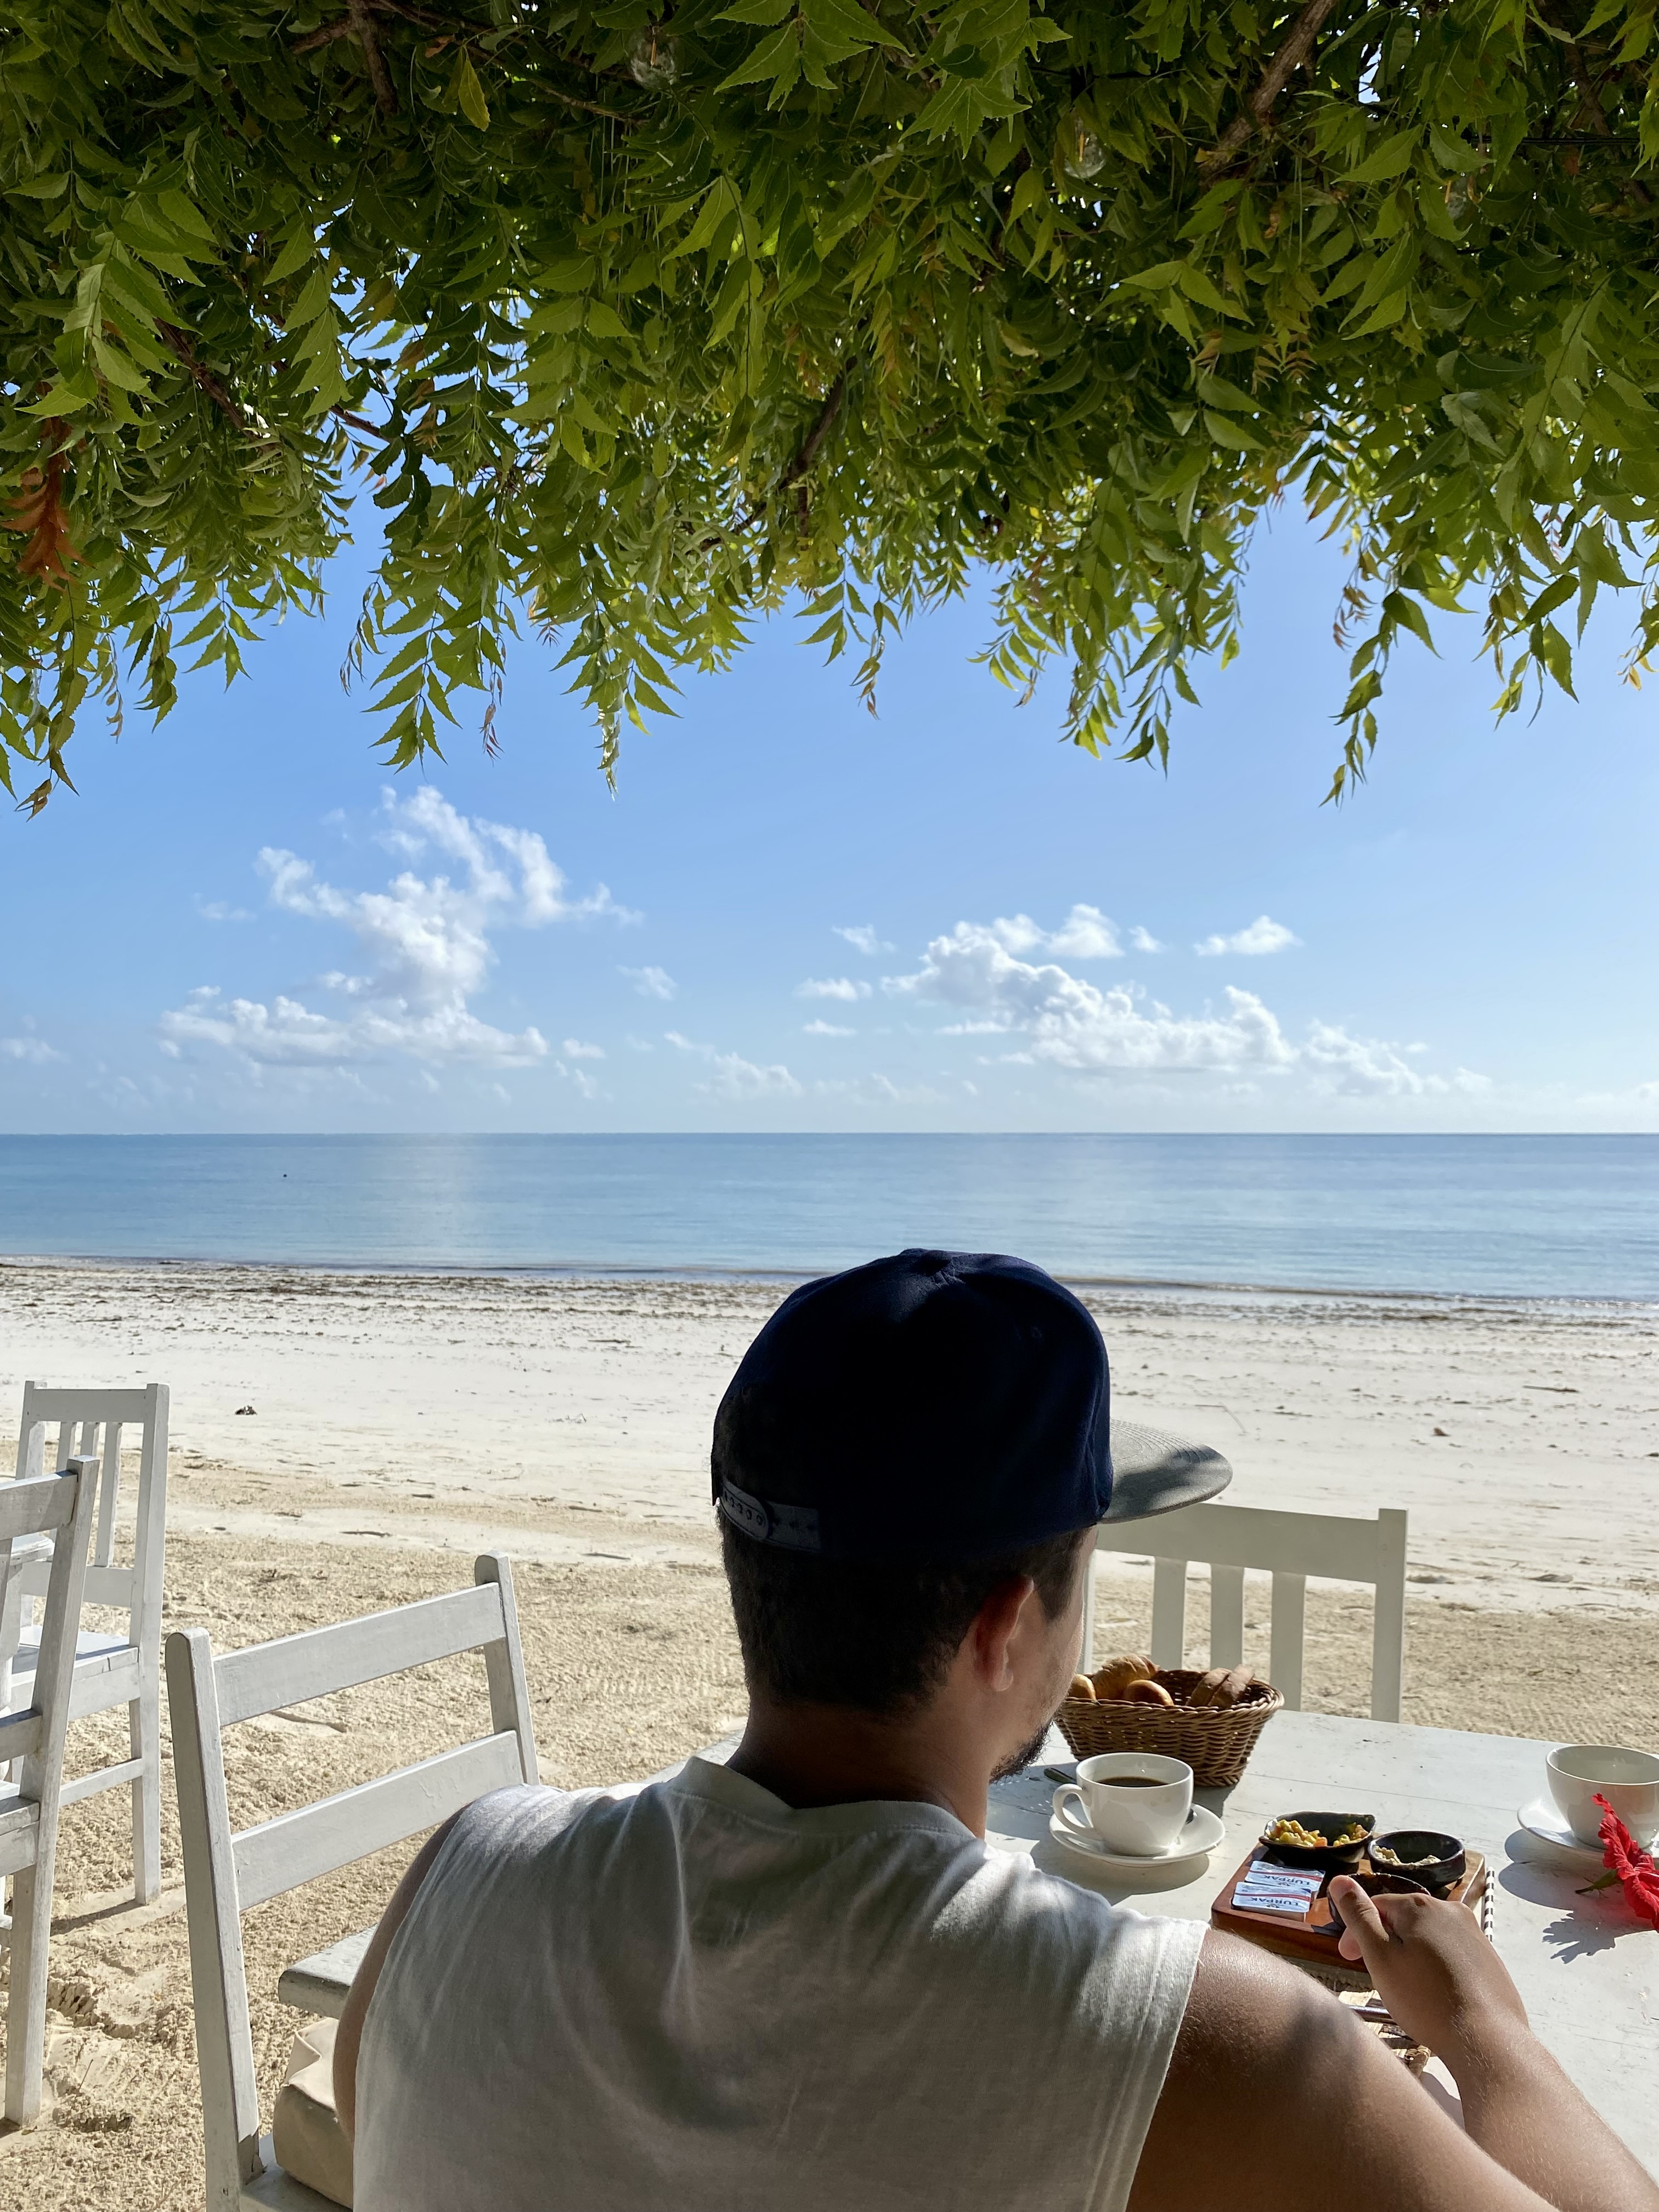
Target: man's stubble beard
1024, 1757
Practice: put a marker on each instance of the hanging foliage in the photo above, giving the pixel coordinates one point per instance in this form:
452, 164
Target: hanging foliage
634, 327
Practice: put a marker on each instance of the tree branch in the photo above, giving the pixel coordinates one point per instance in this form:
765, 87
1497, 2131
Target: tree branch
1258, 109
819, 431
177, 342
1591, 110
363, 29
439, 27
811, 446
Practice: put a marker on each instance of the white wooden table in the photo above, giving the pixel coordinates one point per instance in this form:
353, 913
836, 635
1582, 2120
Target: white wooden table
1589, 1975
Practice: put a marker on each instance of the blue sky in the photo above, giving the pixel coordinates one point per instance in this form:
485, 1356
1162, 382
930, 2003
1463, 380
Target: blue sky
795, 916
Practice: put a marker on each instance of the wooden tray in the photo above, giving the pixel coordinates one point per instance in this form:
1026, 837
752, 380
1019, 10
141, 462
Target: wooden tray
1313, 1941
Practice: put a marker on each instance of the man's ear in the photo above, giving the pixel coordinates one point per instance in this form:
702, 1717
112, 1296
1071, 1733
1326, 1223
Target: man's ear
997, 1624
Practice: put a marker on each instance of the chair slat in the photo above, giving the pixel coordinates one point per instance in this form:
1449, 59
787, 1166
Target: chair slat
269, 1677
1388, 1626
319, 1983
1341, 1547
35, 1507
1285, 1661
1226, 1616
101, 1777
19, 1829
1169, 1612
60, 1404
297, 1847
19, 1733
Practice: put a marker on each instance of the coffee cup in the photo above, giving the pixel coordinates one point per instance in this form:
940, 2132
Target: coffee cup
1580, 1773
1134, 1802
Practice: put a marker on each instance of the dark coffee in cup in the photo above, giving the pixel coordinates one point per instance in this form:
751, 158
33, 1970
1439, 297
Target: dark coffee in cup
1130, 1782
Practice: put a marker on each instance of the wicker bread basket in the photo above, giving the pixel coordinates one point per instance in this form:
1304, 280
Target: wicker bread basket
1215, 1741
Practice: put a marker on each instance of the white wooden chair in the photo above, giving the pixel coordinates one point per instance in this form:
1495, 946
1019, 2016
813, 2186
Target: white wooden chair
110, 1668
226, 1873
1291, 1546
59, 1506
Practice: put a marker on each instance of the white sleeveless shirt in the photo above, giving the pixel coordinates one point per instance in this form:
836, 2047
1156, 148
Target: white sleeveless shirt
697, 1999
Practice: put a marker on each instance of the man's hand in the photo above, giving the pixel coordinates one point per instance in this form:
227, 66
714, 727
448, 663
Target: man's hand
1434, 1970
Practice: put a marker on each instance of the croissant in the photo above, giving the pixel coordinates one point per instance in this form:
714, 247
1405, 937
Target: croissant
1082, 1687
1115, 1677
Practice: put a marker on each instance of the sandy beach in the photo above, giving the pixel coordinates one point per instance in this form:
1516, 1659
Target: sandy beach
401, 1424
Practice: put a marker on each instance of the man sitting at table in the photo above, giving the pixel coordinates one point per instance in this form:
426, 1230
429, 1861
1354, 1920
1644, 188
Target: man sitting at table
803, 1980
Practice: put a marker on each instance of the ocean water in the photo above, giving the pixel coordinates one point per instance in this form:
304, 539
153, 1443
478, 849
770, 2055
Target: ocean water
1527, 1217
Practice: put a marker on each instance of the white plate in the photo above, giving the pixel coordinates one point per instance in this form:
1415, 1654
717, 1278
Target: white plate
1202, 1832
1541, 1818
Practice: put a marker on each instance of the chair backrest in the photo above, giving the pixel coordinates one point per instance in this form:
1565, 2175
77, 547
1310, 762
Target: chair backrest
44, 1505
59, 1506
82, 1417
1289, 1547
226, 1873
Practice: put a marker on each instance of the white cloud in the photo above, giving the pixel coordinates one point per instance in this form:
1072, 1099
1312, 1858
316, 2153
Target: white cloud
1143, 940
217, 911
424, 941
35, 1052
1361, 1067
1085, 934
651, 982
862, 937
832, 987
735, 1077
825, 1028
1263, 935
877, 1091
1365, 1067
579, 1075
1047, 1014
740, 1079
573, 1048
1073, 1022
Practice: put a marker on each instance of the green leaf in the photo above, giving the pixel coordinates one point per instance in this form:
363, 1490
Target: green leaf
1391, 159
185, 216
298, 250
775, 57
469, 93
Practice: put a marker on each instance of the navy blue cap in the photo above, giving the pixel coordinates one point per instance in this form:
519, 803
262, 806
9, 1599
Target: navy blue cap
931, 1406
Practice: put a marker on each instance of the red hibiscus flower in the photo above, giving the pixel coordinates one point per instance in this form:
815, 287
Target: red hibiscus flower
1627, 1864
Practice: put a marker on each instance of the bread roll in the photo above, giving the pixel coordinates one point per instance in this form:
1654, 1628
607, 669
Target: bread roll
1238, 1684
1115, 1677
1082, 1687
1147, 1693
1206, 1690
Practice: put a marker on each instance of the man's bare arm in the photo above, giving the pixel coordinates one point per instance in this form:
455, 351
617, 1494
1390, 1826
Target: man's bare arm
1279, 2100
347, 2037
1444, 1981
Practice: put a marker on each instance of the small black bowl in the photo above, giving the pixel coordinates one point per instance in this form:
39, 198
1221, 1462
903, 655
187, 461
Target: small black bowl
1425, 1855
1329, 1858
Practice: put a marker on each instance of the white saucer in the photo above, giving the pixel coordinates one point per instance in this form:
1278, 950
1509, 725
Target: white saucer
1543, 1819
1202, 1832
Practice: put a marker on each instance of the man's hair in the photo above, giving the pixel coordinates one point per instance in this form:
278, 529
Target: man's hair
869, 1634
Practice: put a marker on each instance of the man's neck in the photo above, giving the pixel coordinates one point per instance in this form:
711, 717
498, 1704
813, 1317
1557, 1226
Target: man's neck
812, 1755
